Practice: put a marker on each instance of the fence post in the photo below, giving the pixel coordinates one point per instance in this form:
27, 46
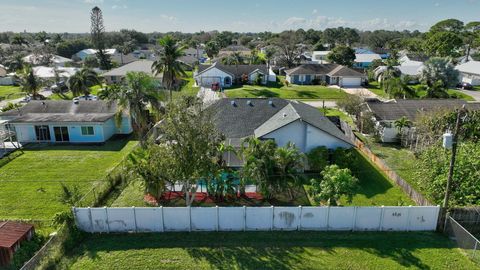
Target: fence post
328, 217
273, 217
408, 218
244, 218
447, 217
90, 217
94, 195
380, 226
106, 219
354, 221
189, 218
135, 218
474, 250
163, 221
218, 218
299, 226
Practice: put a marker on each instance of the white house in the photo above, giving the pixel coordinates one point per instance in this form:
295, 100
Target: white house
228, 75
115, 55
332, 74
469, 72
55, 60
275, 119
51, 72
117, 74
320, 57
365, 60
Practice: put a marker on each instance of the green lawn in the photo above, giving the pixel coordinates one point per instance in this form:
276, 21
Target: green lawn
30, 183
270, 250
8, 92
336, 112
188, 88
291, 92
399, 159
375, 88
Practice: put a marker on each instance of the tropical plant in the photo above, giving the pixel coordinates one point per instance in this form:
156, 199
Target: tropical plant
42, 37
318, 158
19, 40
288, 164
439, 69
137, 95
212, 49
402, 123
82, 80
29, 82
16, 63
397, 88
168, 63
10, 106
334, 184
437, 90
69, 195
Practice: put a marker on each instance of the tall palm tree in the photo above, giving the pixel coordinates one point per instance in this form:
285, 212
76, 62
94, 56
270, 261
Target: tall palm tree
30, 82
19, 40
168, 63
401, 124
136, 95
81, 81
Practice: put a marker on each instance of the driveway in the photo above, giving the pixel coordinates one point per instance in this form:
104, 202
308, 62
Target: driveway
320, 103
208, 96
360, 91
473, 94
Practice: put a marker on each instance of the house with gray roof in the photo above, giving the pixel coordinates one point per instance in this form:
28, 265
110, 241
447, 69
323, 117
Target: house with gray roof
64, 121
117, 74
332, 74
386, 113
275, 119
229, 75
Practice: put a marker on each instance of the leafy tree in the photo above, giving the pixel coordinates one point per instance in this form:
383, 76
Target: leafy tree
81, 81
193, 143
137, 95
288, 163
443, 44
448, 25
68, 48
433, 168
287, 42
437, 90
91, 62
342, 55
212, 49
397, 88
16, 63
334, 184
42, 37
318, 158
269, 54
351, 104
19, 40
471, 37
97, 34
402, 123
29, 82
439, 69
168, 63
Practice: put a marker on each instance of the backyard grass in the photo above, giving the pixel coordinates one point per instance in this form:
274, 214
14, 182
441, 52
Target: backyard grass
30, 183
376, 89
287, 92
375, 189
336, 112
188, 88
8, 92
269, 250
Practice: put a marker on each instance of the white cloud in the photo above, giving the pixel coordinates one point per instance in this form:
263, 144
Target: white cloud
294, 22
168, 17
119, 7
314, 11
93, 1
437, 4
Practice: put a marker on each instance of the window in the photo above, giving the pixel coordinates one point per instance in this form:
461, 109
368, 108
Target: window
87, 131
42, 133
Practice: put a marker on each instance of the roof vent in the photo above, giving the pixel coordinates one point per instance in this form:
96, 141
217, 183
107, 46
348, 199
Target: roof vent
75, 101
270, 102
284, 115
233, 103
249, 103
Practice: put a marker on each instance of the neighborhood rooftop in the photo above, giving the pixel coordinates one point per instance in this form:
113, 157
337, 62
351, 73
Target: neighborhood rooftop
323, 69
410, 108
136, 66
236, 70
62, 111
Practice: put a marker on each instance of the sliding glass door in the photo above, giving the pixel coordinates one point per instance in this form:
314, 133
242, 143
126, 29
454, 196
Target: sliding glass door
61, 134
42, 133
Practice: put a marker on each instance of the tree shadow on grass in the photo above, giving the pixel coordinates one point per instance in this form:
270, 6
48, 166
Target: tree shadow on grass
274, 250
116, 143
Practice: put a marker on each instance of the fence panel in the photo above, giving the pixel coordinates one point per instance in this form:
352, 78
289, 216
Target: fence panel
231, 218
159, 219
368, 218
464, 239
176, 219
286, 218
314, 218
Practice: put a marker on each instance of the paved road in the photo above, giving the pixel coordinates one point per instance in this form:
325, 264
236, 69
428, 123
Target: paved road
474, 94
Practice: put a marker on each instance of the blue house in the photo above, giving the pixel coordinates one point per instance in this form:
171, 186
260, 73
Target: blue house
63, 121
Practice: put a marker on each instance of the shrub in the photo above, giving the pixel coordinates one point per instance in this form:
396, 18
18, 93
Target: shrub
318, 158
345, 158
335, 182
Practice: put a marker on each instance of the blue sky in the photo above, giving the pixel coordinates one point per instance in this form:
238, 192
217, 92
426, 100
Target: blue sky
237, 15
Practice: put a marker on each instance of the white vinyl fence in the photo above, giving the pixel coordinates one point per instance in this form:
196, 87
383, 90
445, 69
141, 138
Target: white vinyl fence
184, 219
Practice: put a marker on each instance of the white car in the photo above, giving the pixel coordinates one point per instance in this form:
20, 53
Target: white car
88, 97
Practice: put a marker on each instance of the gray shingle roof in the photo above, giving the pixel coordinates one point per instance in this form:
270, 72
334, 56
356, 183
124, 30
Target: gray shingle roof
62, 111
235, 70
243, 117
136, 66
324, 69
410, 108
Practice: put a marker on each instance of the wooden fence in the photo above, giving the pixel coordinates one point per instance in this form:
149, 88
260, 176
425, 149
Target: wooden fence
418, 198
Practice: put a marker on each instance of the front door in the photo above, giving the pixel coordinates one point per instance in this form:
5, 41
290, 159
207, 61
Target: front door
61, 134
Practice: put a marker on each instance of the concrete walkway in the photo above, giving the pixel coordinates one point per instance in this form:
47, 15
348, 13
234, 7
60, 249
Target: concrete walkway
474, 94
320, 103
208, 96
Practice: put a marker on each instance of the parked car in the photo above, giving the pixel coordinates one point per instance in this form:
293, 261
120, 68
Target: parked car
465, 86
59, 87
88, 97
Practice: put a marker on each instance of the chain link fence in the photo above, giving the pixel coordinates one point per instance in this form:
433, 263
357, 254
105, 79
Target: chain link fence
464, 239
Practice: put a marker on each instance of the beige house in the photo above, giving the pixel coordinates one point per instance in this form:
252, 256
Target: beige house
117, 74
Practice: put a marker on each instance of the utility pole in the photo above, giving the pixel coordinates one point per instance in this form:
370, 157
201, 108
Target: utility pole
454, 155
